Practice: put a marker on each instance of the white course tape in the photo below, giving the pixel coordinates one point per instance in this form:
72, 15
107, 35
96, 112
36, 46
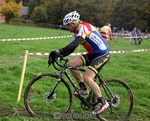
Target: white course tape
136, 37
141, 50
40, 38
119, 51
80, 53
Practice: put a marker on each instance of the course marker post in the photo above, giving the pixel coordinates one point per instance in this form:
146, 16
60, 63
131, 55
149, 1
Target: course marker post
22, 75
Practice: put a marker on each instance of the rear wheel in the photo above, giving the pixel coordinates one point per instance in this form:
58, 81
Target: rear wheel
36, 98
120, 98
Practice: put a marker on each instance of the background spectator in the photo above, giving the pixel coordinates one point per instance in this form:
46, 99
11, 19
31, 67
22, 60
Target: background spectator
134, 35
122, 32
140, 36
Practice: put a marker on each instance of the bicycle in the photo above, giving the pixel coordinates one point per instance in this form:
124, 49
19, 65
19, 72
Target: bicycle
47, 93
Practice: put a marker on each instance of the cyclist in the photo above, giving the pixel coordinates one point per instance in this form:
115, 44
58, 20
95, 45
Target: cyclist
97, 55
106, 32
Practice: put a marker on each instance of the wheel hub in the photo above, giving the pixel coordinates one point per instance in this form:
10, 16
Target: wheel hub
51, 99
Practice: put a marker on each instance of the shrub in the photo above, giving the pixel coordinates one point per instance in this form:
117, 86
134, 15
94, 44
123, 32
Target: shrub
10, 10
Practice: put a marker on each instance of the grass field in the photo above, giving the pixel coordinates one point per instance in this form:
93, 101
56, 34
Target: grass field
131, 67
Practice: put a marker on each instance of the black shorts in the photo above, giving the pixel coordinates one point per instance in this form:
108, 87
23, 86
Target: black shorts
95, 62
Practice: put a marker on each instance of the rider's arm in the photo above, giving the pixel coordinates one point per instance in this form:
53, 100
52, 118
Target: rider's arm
71, 47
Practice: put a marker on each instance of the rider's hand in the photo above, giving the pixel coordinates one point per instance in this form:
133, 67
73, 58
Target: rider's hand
52, 56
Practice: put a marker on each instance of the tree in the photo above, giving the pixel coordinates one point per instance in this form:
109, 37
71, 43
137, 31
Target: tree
120, 13
132, 13
10, 10
57, 9
24, 2
39, 15
32, 4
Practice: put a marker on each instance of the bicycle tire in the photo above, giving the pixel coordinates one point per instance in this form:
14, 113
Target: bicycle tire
121, 110
39, 106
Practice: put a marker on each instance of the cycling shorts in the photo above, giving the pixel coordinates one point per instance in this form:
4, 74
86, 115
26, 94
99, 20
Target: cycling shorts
95, 62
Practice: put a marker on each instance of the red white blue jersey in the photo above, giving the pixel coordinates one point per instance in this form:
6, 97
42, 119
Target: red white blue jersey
93, 42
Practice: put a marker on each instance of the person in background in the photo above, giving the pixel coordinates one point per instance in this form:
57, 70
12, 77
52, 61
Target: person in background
106, 32
134, 36
140, 36
122, 31
97, 56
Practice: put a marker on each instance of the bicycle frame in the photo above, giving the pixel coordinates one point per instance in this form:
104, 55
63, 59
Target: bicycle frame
64, 72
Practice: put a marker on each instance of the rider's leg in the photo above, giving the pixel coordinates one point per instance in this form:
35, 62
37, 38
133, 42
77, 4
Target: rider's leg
88, 78
102, 104
77, 61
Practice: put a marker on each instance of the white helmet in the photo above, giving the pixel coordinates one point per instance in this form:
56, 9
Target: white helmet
70, 17
108, 24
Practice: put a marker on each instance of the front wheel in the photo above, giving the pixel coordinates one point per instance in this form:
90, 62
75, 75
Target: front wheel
120, 99
44, 101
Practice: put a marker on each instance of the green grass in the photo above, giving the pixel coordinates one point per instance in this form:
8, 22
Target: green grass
27, 32
131, 67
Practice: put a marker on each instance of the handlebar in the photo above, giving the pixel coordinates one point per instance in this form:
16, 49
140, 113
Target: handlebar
61, 61
58, 61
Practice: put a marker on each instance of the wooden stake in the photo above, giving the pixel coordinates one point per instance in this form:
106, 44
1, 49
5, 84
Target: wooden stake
22, 75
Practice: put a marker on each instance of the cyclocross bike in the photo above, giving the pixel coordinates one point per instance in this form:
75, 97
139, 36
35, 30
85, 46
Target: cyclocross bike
48, 94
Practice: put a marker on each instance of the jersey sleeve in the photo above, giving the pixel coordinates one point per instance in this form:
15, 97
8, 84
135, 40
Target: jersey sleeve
71, 47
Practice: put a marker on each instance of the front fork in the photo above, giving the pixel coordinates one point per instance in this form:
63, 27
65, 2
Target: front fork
55, 85
53, 89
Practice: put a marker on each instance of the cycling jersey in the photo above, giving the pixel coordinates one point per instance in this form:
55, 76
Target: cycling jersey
88, 36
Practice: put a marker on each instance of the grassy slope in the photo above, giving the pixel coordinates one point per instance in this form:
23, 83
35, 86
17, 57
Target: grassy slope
131, 67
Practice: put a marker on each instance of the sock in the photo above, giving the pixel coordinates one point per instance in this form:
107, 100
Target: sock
82, 85
100, 100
